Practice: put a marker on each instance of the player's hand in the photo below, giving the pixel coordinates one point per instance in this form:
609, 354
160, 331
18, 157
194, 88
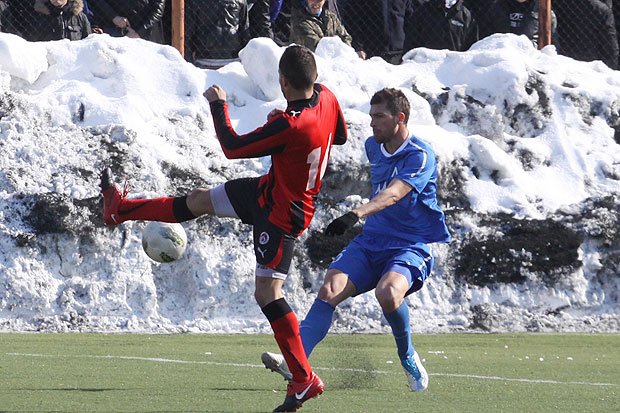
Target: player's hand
340, 225
215, 93
274, 113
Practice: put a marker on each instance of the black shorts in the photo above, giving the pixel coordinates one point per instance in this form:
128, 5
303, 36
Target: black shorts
273, 247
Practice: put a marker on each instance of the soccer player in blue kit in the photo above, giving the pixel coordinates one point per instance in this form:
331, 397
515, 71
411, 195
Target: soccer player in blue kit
392, 254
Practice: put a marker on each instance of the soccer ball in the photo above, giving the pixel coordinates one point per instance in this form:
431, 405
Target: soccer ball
164, 242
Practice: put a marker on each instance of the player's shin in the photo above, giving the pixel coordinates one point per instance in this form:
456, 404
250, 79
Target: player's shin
401, 329
286, 332
315, 326
168, 209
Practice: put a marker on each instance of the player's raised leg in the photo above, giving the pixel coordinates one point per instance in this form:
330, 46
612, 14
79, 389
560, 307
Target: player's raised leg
117, 208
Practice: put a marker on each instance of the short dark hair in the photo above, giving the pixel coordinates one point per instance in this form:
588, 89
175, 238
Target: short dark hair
297, 64
394, 99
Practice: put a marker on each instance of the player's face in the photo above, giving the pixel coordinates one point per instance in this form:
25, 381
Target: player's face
384, 125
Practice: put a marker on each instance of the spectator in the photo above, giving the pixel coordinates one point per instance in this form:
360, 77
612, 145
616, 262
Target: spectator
377, 26
5, 17
441, 24
216, 29
167, 22
615, 8
260, 16
87, 11
587, 31
61, 19
282, 23
480, 12
333, 6
276, 6
310, 22
518, 17
131, 18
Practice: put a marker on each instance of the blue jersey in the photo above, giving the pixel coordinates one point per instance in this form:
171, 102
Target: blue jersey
417, 217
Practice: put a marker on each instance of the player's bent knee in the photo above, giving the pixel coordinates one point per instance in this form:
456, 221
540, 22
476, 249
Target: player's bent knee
388, 300
336, 288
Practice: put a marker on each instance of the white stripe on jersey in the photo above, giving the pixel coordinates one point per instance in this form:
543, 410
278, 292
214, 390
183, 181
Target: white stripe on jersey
410, 142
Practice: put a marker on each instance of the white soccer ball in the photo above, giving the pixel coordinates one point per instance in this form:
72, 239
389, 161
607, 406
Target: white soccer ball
164, 242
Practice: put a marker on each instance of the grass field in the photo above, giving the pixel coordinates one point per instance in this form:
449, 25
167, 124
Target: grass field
223, 373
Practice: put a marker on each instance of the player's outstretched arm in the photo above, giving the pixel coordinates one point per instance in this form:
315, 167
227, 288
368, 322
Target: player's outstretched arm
389, 196
266, 140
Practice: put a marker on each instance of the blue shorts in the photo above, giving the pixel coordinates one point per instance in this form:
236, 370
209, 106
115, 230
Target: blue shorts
367, 258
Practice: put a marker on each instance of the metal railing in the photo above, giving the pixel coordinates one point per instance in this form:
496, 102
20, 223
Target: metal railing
204, 30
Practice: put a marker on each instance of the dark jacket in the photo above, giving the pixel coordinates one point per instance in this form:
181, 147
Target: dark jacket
5, 17
145, 16
216, 29
377, 26
586, 31
510, 16
433, 26
308, 29
480, 12
67, 22
259, 15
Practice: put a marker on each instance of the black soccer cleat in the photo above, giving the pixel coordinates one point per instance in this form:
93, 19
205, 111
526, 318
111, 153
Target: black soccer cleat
107, 179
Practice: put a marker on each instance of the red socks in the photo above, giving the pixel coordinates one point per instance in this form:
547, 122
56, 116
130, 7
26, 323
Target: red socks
286, 331
156, 209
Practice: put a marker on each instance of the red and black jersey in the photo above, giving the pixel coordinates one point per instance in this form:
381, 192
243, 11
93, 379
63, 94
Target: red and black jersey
299, 142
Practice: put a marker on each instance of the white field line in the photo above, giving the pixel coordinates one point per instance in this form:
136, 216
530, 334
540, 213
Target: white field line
214, 363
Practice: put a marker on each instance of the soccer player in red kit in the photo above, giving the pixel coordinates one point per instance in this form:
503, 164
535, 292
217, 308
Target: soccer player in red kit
279, 205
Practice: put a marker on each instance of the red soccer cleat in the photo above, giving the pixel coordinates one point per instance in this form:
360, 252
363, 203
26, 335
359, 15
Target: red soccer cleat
112, 198
298, 393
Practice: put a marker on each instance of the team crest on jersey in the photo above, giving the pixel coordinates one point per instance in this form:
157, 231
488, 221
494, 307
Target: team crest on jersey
263, 238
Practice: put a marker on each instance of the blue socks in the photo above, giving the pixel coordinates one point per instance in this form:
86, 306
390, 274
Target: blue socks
318, 320
399, 321
316, 325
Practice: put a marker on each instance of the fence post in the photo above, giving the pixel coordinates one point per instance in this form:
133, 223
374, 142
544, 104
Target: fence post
544, 23
178, 25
